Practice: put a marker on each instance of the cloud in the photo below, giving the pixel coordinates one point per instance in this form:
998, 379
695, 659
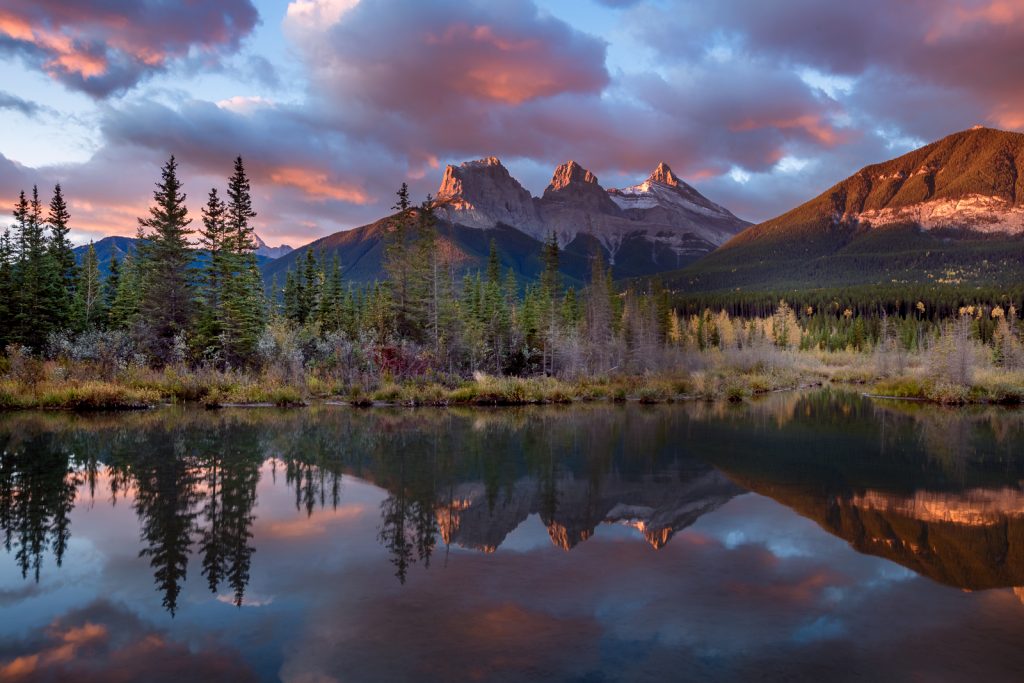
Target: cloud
393, 89
15, 103
965, 53
101, 47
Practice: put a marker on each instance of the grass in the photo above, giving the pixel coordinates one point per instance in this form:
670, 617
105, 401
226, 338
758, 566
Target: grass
736, 375
69, 395
141, 388
987, 386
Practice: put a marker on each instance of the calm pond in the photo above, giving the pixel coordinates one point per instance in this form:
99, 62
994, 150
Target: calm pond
814, 536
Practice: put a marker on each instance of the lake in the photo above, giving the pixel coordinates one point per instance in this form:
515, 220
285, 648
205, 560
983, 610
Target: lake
807, 536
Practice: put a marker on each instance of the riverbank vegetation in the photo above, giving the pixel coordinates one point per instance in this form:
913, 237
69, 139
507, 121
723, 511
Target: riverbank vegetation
166, 326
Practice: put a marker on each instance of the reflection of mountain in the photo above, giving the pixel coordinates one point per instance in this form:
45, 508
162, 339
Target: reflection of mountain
465, 476
972, 539
935, 490
657, 506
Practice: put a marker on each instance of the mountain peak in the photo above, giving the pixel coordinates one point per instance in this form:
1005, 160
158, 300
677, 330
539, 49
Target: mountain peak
482, 194
571, 172
664, 175
263, 249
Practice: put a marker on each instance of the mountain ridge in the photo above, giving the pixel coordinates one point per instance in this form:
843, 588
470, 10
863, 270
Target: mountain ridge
951, 212
479, 200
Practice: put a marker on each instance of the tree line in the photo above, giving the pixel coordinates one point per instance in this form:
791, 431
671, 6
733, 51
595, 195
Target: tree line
170, 309
419, 318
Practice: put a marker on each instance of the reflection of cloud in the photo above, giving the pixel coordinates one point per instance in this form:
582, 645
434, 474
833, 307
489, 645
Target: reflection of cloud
314, 525
248, 601
104, 642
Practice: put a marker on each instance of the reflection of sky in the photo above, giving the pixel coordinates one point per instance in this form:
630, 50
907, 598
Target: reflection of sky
751, 589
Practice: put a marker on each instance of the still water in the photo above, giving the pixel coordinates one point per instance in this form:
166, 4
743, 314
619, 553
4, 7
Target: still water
816, 536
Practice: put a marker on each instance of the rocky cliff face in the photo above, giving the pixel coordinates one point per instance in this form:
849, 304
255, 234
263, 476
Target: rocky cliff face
660, 224
482, 194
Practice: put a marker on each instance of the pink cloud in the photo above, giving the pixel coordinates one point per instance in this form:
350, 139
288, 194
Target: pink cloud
101, 47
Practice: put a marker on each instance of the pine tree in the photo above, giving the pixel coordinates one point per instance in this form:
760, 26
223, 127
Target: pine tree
493, 264
111, 283
37, 287
330, 313
89, 296
216, 270
550, 283
550, 279
398, 259
63, 255
244, 305
426, 272
599, 328
123, 312
167, 293
6, 287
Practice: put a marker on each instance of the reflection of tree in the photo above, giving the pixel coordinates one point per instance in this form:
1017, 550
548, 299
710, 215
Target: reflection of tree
38, 481
166, 499
192, 487
408, 522
239, 498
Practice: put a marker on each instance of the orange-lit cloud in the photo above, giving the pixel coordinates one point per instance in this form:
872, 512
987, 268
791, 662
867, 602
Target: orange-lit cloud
813, 126
316, 185
101, 48
952, 20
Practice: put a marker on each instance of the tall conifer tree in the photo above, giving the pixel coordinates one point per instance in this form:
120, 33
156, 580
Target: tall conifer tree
63, 255
167, 292
244, 305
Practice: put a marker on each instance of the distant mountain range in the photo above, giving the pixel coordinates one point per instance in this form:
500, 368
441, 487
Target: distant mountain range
122, 246
270, 252
950, 212
660, 224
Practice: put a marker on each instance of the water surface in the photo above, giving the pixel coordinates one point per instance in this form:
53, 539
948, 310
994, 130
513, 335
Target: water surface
814, 536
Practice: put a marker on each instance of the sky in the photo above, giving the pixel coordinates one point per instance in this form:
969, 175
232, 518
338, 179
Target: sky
334, 103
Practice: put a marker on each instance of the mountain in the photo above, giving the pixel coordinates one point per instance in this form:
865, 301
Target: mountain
270, 252
949, 212
662, 224
361, 252
123, 246
105, 249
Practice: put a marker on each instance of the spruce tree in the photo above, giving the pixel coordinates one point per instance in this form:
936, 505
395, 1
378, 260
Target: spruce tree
6, 287
123, 312
63, 255
551, 283
37, 285
425, 274
111, 283
243, 306
167, 293
493, 264
398, 257
216, 270
89, 297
